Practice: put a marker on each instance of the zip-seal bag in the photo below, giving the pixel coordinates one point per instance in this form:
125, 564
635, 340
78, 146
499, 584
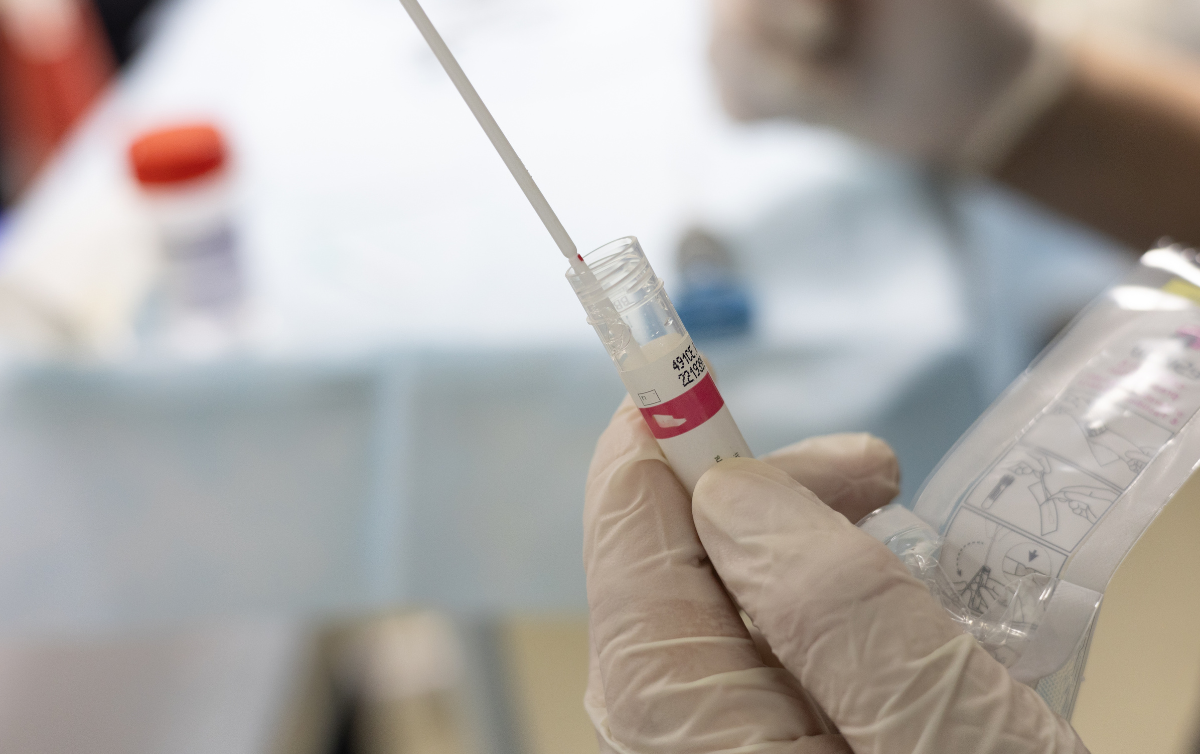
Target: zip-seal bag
1021, 526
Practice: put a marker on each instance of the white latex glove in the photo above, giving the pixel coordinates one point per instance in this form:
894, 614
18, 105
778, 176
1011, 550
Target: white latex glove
951, 81
867, 661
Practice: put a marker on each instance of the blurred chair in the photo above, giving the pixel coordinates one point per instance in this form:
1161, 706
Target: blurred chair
124, 23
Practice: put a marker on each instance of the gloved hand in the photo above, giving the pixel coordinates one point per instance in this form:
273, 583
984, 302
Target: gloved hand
854, 654
950, 81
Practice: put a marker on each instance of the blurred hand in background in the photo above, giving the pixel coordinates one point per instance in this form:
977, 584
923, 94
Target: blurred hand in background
916, 76
1108, 134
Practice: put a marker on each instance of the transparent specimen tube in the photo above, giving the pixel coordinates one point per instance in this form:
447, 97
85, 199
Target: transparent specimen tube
667, 377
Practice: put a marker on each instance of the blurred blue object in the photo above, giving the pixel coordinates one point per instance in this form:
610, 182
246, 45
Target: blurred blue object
713, 301
718, 309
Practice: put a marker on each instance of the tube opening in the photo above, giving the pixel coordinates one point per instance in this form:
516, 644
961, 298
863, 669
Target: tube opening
621, 273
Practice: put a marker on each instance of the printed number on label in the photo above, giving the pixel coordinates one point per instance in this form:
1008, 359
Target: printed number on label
688, 366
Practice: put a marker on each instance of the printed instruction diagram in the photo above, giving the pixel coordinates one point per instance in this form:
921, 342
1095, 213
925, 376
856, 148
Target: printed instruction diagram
1039, 500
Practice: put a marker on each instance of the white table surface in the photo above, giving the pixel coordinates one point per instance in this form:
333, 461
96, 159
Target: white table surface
413, 418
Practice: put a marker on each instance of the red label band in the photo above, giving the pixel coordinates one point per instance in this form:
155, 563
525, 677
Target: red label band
685, 412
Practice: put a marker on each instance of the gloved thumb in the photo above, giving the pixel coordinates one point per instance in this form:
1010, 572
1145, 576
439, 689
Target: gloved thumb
866, 639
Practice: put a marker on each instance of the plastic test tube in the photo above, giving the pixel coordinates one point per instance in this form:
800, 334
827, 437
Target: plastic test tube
667, 377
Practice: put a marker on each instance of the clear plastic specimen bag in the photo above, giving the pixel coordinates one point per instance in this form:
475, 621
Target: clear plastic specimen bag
1020, 527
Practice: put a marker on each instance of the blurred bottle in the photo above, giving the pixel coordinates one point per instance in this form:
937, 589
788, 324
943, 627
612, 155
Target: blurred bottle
54, 62
196, 309
713, 302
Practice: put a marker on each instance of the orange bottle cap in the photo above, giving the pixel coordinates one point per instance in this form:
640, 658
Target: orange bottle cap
177, 154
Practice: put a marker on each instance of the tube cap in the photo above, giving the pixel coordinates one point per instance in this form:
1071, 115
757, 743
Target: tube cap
177, 154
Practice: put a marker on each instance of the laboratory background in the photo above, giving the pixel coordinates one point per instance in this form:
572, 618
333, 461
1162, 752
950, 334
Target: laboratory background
296, 406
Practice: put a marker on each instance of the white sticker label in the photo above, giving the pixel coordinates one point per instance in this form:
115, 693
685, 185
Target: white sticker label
675, 392
667, 376
683, 409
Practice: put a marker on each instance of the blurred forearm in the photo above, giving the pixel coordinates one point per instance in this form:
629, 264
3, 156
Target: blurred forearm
1120, 150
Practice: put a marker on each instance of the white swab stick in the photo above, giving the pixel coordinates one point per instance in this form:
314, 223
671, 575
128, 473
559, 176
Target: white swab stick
492, 129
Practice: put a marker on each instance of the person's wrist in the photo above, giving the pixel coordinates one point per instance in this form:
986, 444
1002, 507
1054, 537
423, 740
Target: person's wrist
948, 80
1016, 108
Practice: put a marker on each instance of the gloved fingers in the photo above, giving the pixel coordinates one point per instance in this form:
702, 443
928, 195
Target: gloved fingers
678, 670
593, 705
866, 639
852, 473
